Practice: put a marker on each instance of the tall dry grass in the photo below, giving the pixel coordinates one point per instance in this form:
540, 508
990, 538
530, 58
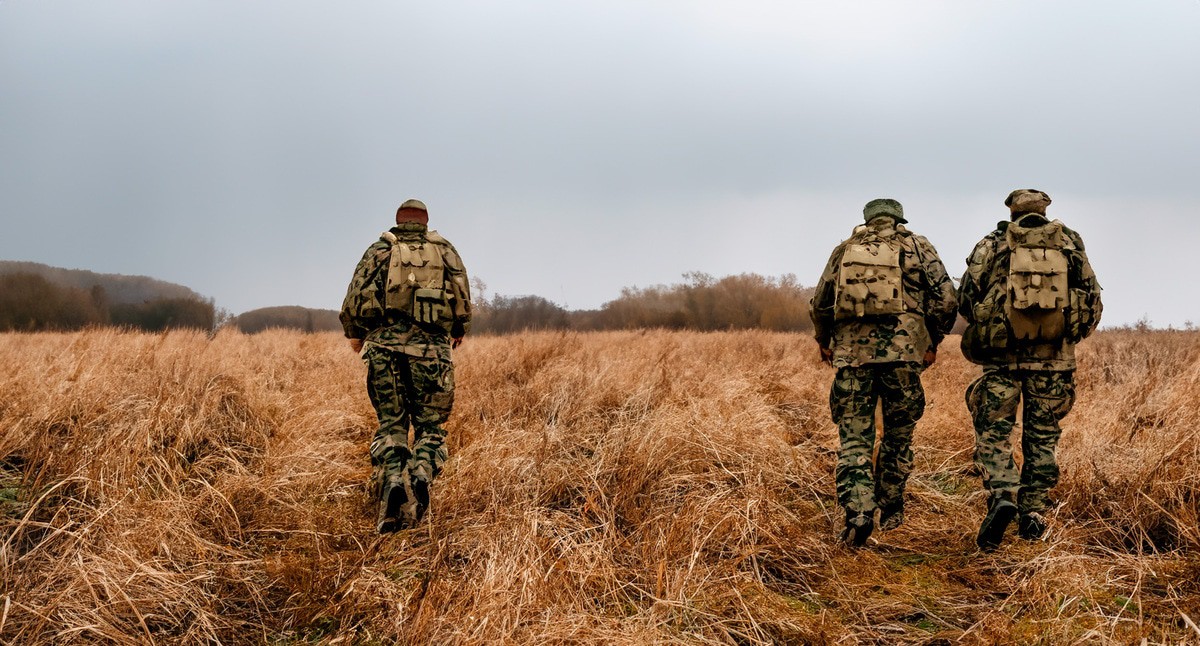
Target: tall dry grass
609, 487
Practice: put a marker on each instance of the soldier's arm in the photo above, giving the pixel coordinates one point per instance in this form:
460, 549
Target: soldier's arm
365, 273
941, 301
460, 287
1083, 278
971, 287
821, 307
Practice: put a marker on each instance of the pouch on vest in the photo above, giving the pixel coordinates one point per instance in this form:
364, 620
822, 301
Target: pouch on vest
1037, 282
870, 281
429, 305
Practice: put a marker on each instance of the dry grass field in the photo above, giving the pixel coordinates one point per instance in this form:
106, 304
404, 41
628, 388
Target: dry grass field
623, 487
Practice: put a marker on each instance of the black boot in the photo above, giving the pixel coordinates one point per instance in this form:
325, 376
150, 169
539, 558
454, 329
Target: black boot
421, 493
858, 529
891, 516
391, 503
991, 532
1031, 526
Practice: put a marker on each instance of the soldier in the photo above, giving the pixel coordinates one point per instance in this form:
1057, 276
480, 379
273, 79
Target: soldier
881, 308
408, 304
1029, 295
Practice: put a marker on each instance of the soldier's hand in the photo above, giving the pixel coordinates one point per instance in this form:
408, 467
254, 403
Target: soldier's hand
455, 342
930, 357
827, 356
356, 345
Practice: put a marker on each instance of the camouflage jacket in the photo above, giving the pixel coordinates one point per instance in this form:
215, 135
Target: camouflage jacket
364, 315
983, 293
929, 300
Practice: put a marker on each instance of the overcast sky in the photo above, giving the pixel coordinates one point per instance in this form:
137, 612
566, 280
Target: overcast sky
252, 150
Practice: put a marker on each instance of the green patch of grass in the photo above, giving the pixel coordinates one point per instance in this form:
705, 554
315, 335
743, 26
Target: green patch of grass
927, 625
405, 574
810, 603
1125, 604
317, 631
10, 494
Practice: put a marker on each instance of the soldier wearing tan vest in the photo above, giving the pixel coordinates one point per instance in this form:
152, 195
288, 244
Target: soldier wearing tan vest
1029, 295
881, 307
408, 304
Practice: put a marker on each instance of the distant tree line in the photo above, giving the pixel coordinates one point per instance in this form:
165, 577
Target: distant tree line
291, 317
31, 303
118, 288
700, 302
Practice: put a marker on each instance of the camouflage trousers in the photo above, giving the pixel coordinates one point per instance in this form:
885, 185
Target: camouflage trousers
856, 392
1047, 397
408, 391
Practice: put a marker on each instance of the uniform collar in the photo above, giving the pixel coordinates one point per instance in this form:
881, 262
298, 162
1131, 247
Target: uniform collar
409, 228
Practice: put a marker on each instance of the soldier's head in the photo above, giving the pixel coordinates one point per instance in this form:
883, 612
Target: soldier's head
1027, 200
884, 207
412, 211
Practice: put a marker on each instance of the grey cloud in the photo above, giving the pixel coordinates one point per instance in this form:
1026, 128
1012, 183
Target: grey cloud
212, 142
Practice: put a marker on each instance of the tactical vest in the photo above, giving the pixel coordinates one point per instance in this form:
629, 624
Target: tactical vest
870, 280
1037, 282
416, 281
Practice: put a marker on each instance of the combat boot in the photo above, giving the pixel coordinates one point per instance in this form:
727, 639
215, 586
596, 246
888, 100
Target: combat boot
420, 489
392, 501
991, 532
891, 516
858, 529
1031, 526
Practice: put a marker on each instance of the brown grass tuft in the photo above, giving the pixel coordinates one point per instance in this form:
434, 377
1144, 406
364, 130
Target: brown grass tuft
644, 487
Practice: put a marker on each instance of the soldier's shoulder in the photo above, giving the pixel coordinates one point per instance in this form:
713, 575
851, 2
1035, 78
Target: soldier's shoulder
995, 236
919, 240
437, 238
984, 248
1072, 235
380, 244
840, 248
449, 253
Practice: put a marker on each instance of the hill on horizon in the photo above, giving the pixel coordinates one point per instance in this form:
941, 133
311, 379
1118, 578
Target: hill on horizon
118, 288
294, 317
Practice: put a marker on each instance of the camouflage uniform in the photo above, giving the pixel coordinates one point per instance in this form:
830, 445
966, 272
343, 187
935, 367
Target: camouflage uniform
410, 376
880, 359
1040, 374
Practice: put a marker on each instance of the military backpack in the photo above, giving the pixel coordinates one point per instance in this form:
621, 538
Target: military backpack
416, 281
1037, 282
870, 281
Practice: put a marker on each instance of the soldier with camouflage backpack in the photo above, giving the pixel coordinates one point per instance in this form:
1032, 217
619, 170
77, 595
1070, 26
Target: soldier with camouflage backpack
408, 303
881, 307
1029, 295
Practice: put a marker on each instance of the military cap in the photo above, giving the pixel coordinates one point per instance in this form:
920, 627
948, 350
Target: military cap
414, 204
883, 206
1027, 200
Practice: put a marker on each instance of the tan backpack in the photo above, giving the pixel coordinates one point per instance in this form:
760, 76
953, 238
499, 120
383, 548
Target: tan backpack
1037, 282
416, 281
870, 281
